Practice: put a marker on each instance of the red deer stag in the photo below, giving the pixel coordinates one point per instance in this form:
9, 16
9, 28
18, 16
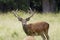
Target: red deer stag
34, 29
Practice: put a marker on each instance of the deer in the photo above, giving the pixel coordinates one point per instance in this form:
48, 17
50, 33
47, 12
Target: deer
33, 29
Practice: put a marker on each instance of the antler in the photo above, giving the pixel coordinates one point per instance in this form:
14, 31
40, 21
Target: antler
19, 18
15, 14
32, 13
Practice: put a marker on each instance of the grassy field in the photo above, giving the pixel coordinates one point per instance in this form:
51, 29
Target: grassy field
11, 28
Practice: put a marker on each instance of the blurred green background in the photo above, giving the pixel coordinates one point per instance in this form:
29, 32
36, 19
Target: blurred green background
11, 28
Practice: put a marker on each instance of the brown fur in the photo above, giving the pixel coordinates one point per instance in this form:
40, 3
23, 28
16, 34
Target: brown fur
39, 28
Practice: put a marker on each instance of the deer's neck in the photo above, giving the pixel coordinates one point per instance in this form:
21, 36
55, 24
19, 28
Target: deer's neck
25, 28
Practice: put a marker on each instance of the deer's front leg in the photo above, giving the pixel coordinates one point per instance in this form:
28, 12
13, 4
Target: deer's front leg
43, 36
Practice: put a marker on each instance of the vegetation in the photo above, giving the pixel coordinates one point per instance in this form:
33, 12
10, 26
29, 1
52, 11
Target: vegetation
11, 28
39, 5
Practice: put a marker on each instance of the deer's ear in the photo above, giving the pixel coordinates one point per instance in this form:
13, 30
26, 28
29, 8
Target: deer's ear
27, 19
20, 19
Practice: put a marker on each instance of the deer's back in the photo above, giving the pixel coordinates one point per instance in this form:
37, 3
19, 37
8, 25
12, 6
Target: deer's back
39, 26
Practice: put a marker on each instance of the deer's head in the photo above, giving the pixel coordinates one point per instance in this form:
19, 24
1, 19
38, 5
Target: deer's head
24, 21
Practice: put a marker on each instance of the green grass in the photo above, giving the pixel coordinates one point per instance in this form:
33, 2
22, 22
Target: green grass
11, 28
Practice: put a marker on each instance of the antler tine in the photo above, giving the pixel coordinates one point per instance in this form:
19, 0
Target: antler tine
30, 10
16, 15
32, 13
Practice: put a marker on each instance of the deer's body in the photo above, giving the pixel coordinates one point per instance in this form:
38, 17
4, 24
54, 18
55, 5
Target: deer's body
33, 29
37, 28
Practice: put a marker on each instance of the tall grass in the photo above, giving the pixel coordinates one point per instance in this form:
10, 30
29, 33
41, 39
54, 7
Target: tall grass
11, 28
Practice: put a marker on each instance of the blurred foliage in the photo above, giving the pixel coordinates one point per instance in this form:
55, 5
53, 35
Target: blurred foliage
9, 5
